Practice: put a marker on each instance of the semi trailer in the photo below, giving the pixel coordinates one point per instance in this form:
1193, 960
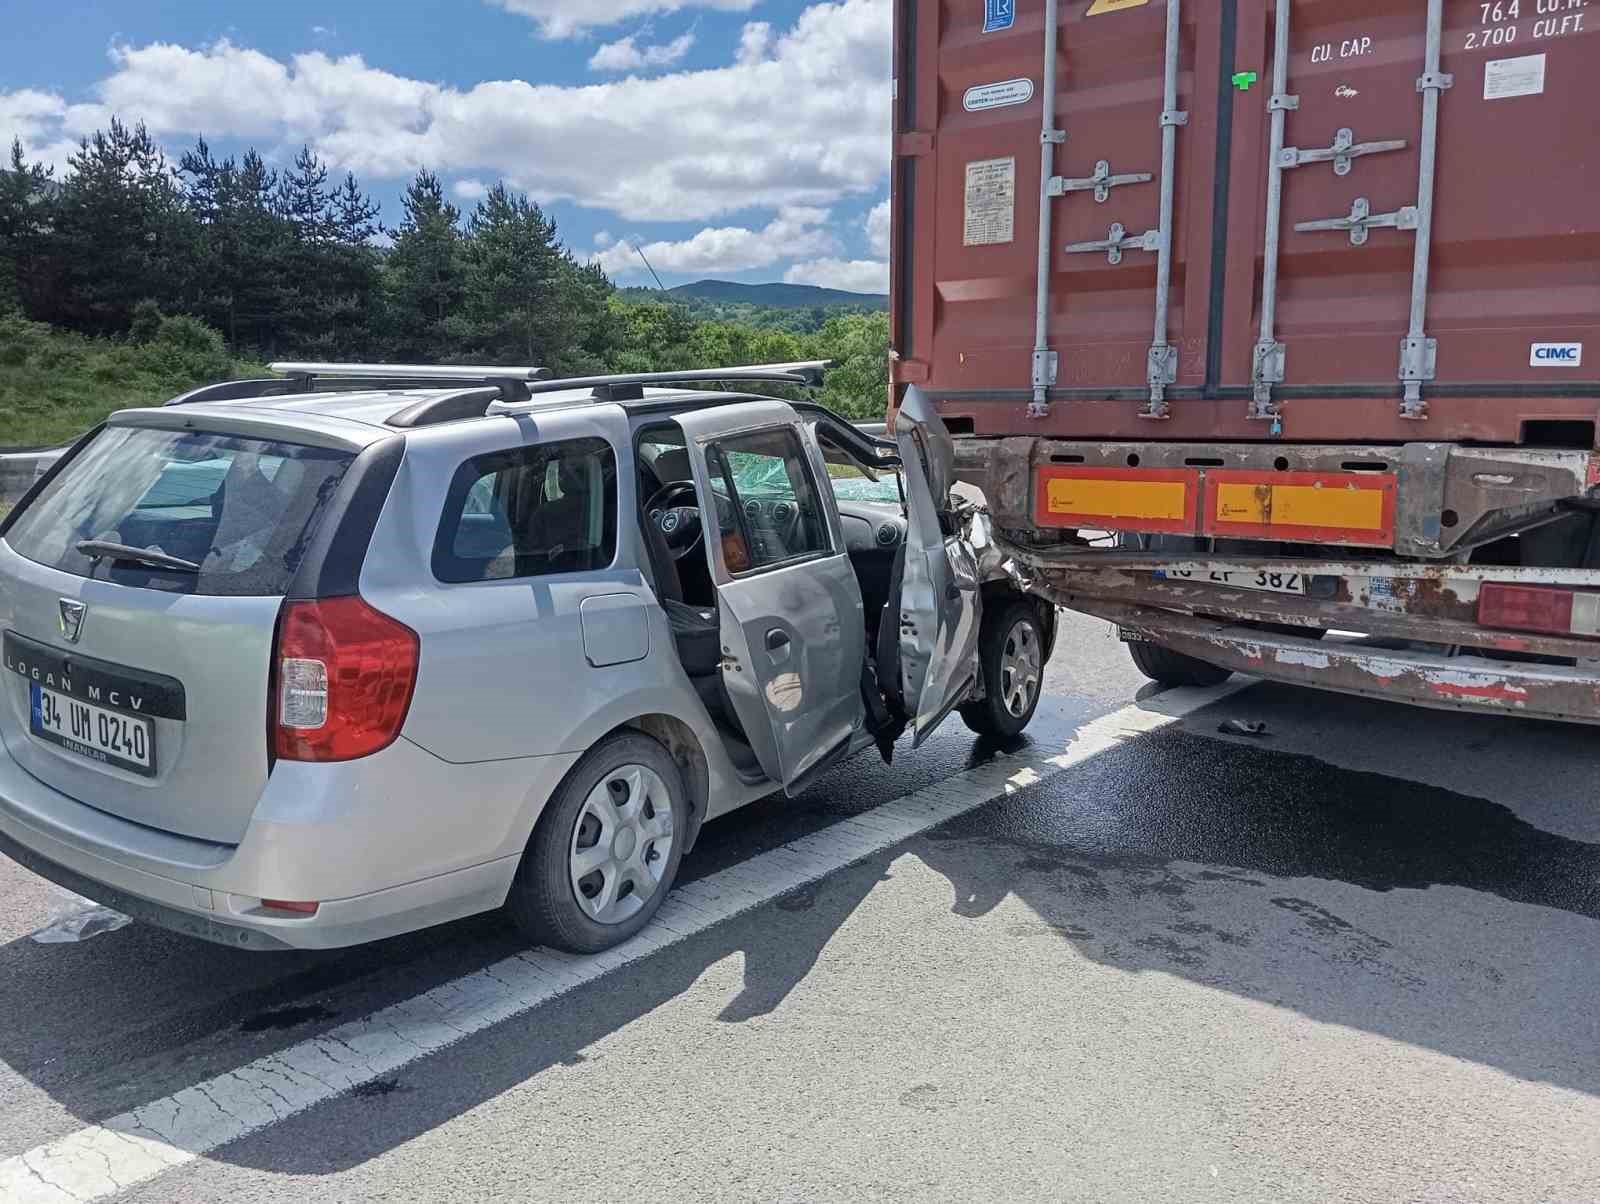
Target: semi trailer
1270, 329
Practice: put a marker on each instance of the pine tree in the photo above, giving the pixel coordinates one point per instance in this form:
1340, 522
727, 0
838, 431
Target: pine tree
356, 271
425, 273
355, 214
252, 246
514, 276
26, 193
121, 232
303, 203
303, 200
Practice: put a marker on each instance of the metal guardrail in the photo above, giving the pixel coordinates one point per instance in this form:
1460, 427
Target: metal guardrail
19, 470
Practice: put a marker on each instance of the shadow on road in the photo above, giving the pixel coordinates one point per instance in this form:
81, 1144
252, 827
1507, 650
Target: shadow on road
1164, 855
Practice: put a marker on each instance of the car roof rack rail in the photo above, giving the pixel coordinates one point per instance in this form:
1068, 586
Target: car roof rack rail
446, 407
630, 386
513, 382
487, 389
234, 390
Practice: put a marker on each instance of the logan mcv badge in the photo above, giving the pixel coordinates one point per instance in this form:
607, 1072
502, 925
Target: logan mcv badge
72, 619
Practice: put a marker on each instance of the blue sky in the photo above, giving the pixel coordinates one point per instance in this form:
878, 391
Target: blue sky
742, 139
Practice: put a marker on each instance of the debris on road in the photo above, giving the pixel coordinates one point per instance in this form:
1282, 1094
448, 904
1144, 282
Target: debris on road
1243, 727
78, 919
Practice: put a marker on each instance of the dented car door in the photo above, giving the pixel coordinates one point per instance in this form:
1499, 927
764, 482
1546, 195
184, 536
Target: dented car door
940, 599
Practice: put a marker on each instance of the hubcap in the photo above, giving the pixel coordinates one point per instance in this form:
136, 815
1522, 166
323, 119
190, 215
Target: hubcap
1020, 663
621, 844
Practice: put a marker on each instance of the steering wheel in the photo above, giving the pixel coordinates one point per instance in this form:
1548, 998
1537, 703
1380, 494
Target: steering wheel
680, 525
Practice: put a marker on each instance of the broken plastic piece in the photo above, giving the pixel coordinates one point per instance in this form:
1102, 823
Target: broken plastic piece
1242, 727
77, 919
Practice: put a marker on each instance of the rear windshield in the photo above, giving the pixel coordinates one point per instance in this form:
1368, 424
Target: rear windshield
242, 510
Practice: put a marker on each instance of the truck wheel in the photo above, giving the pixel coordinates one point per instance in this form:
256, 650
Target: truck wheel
1171, 668
606, 851
1011, 656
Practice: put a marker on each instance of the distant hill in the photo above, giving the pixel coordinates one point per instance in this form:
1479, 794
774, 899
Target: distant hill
775, 296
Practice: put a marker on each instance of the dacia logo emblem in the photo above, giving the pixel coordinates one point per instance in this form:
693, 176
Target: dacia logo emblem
72, 619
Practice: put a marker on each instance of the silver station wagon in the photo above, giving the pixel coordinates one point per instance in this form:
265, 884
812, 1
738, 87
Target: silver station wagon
357, 649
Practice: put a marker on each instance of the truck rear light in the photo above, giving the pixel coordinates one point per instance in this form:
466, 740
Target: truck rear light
1539, 608
345, 673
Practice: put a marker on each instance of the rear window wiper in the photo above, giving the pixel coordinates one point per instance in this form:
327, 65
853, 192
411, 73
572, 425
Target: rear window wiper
105, 549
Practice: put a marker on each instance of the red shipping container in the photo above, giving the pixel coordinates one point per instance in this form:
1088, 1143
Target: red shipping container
1502, 253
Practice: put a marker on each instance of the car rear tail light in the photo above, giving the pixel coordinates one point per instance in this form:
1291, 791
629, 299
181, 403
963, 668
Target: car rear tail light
1539, 608
343, 681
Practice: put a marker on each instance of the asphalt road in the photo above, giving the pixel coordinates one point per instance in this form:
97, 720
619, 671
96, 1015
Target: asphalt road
1357, 959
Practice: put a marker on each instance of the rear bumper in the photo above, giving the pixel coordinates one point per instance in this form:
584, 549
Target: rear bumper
1464, 683
1391, 497
375, 860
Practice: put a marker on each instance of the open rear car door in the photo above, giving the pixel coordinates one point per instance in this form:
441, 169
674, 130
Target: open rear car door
791, 611
940, 599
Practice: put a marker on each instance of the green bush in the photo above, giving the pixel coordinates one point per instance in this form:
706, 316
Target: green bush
146, 321
55, 384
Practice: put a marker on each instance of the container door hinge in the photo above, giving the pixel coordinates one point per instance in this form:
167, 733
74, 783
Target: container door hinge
1045, 366
1162, 372
1345, 148
1362, 221
1102, 182
1271, 364
1419, 363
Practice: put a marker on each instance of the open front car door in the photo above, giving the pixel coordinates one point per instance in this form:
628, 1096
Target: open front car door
939, 597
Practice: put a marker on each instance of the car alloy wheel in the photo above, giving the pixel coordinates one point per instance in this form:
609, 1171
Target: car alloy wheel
1021, 665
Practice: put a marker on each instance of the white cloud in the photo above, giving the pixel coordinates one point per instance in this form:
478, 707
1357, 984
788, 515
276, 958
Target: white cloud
806, 125
626, 54
470, 189
563, 18
604, 239
48, 127
793, 234
879, 233
754, 42
853, 275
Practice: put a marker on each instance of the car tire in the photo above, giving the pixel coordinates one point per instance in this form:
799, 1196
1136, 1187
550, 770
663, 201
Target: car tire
1169, 668
599, 844
1011, 657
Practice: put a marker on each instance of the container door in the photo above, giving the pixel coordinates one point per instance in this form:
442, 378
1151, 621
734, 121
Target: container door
793, 623
967, 201
1464, 262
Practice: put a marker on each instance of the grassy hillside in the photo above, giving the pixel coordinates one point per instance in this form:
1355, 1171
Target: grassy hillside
798, 308
55, 384
779, 296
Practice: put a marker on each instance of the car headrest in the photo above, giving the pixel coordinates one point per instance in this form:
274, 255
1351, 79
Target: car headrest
672, 464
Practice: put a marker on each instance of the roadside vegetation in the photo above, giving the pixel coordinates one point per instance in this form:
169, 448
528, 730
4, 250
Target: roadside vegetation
55, 384
130, 279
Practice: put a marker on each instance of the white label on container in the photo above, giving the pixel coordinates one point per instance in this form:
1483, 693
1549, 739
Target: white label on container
1556, 355
998, 96
991, 210
1505, 78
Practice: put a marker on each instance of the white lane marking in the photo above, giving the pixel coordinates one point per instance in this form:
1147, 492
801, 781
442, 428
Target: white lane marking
135, 1147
